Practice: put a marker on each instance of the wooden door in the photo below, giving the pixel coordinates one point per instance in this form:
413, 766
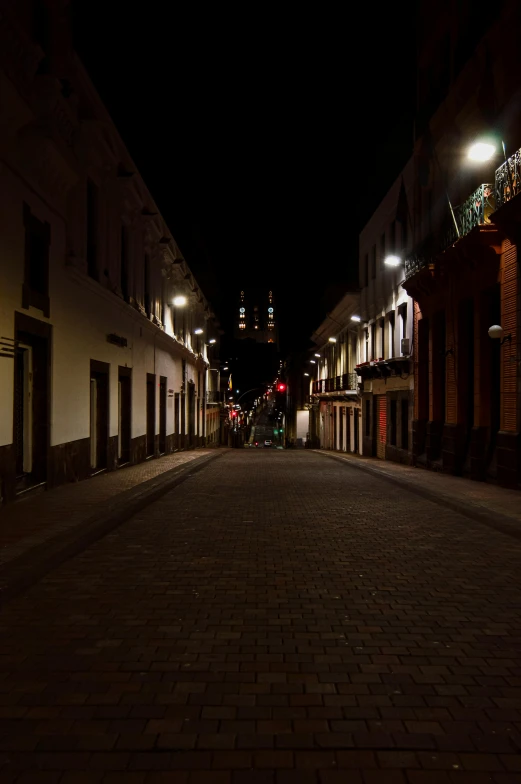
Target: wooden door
124, 414
151, 413
162, 414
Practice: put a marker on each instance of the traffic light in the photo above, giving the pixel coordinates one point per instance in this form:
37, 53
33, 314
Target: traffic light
281, 387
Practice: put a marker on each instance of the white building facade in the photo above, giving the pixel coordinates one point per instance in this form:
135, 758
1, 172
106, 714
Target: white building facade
98, 367
385, 366
334, 419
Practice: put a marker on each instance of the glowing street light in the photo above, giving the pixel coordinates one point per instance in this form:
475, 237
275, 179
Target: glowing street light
355, 318
213, 340
198, 331
332, 340
392, 261
306, 374
179, 301
317, 355
481, 151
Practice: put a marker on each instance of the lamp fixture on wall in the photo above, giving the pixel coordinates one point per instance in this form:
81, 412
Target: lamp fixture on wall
496, 332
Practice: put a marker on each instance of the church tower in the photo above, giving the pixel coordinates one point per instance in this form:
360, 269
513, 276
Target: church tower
258, 322
241, 323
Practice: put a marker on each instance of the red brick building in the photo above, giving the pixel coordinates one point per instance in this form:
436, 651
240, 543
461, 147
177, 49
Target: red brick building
463, 272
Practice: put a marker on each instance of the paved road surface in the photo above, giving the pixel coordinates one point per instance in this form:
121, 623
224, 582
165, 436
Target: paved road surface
279, 617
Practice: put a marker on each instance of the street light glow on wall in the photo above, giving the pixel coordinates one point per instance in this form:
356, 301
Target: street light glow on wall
392, 261
355, 318
481, 151
179, 301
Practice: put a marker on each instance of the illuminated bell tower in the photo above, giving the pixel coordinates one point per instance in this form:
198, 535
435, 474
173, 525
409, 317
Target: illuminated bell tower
241, 324
271, 324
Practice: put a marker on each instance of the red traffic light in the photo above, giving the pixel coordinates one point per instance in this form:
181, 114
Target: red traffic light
234, 413
281, 387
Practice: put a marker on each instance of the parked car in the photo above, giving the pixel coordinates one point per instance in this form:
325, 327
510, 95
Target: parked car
268, 442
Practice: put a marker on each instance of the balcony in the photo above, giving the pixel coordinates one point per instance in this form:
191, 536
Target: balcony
508, 179
213, 396
348, 382
383, 368
475, 211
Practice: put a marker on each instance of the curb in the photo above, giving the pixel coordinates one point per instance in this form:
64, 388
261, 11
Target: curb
500, 522
22, 572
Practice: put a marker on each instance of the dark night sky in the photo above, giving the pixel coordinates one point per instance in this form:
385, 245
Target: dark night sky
266, 136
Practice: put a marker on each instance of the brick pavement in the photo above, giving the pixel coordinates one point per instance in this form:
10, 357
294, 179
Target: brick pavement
276, 618
36, 518
483, 500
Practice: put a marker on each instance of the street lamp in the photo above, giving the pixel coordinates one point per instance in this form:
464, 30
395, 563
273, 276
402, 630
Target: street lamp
481, 151
355, 318
332, 340
179, 301
392, 261
212, 340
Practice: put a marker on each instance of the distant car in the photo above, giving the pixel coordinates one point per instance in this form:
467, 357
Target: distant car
268, 442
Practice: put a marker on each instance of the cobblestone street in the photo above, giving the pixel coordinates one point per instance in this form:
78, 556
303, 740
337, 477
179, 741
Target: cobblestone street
277, 618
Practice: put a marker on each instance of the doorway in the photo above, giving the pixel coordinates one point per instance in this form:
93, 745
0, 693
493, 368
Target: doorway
31, 401
124, 414
335, 413
151, 414
191, 413
356, 426
341, 428
162, 415
99, 414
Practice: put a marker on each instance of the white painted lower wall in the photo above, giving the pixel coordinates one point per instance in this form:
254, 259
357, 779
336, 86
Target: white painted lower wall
82, 314
344, 441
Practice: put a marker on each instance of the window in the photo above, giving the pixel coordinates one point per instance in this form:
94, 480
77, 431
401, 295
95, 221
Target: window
405, 423
147, 303
392, 412
392, 241
92, 229
367, 345
35, 291
382, 338
403, 314
392, 334
368, 418
373, 340
373, 263
366, 270
403, 228
41, 31
124, 262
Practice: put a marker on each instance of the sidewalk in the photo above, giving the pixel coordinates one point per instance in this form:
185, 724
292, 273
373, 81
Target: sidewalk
487, 503
42, 529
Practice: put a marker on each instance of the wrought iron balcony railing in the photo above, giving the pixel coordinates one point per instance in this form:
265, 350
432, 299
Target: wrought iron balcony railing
508, 183
343, 383
475, 211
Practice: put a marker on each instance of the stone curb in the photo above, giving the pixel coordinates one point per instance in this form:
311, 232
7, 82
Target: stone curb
501, 522
22, 572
